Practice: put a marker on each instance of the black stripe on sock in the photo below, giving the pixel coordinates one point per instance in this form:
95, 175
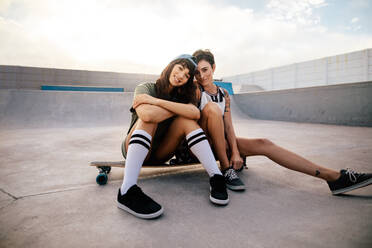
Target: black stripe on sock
195, 136
141, 136
197, 141
139, 142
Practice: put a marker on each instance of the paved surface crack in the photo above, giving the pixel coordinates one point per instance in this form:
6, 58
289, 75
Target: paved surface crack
9, 194
54, 191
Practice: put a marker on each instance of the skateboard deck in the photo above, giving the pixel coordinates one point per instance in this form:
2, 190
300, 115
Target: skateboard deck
104, 168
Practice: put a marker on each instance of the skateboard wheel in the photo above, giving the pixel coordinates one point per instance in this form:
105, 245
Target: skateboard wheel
102, 178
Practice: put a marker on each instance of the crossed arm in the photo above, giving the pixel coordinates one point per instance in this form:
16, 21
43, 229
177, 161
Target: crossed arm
155, 110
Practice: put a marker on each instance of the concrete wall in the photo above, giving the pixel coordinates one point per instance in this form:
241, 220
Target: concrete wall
20, 77
246, 88
41, 109
344, 68
344, 104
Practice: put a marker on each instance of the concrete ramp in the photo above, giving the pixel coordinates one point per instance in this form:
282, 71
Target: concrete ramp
39, 109
46, 109
343, 104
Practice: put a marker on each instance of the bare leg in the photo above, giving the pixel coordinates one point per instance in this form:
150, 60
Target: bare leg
179, 128
212, 123
285, 158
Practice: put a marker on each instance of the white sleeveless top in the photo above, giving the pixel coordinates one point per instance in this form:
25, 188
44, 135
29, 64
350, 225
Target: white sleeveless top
218, 98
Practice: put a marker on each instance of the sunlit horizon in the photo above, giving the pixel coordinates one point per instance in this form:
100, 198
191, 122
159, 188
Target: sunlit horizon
143, 36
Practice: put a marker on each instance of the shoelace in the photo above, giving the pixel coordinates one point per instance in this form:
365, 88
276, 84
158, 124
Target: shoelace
352, 174
231, 174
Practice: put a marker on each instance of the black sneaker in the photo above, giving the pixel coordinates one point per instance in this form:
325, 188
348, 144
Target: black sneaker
218, 190
232, 180
349, 180
139, 204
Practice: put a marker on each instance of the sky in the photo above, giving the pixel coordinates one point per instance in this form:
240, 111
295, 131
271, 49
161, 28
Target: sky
143, 36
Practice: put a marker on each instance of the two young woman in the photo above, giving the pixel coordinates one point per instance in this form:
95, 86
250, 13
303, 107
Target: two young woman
163, 114
217, 124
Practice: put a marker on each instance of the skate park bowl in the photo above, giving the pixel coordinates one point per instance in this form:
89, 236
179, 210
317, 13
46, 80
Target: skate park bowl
49, 197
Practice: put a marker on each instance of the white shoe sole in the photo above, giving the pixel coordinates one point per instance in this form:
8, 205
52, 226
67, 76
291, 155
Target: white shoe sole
218, 201
352, 187
236, 188
142, 216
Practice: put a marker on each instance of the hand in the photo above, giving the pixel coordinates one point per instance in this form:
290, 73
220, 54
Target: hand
236, 161
144, 99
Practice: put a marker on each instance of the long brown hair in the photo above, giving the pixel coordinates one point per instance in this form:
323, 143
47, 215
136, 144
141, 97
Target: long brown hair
182, 94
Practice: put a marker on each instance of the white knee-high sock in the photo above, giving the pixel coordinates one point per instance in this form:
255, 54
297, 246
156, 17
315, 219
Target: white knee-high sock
138, 148
199, 145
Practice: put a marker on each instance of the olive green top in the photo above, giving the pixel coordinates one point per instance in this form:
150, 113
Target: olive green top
150, 89
144, 88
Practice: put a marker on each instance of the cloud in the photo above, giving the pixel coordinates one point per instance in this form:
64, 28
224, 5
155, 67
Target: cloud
354, 26
354, 20
297, 11
142, 35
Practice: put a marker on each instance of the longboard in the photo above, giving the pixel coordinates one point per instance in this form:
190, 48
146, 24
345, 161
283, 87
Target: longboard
104, 168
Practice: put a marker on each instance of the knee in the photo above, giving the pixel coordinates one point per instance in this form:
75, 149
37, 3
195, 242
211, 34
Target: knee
264, 142
211, 109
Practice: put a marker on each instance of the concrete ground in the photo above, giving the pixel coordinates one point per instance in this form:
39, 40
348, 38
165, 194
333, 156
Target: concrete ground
49, 197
